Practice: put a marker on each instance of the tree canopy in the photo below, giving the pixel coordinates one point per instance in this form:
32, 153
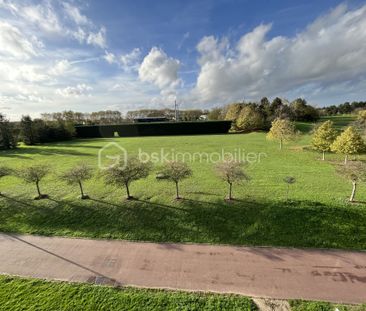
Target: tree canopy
282, 130
324, 137
126, 171
348, 143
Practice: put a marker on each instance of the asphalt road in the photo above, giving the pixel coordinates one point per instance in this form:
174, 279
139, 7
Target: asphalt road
282, 273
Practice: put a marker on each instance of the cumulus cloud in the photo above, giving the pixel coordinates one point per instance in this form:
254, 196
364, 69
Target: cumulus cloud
160, 69
75, 91
14, 43
329, 50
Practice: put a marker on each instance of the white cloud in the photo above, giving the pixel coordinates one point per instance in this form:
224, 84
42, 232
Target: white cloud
17, 72
43, 16
75, 91
97, 38
329, 50
109, 57
160, 69
60, 67
14, 43
74, 13
48, 20
130, 60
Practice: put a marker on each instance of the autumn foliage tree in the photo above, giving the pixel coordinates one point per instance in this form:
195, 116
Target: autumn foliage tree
175, 171
34, 174
125, 171
354, 172
77, 175
231, 172
348, 143
282, 130
324, 137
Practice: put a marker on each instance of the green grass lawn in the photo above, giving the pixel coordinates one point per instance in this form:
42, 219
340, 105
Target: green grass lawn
28, 294
316, 215
31, 294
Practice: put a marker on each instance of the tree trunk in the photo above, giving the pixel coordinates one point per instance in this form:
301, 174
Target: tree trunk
230, 191
38, 190
345, 159
323, 156
352, 197
280, 144
177, 190
81, 189
128, 192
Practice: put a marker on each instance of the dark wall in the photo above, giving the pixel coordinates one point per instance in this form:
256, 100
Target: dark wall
154, 129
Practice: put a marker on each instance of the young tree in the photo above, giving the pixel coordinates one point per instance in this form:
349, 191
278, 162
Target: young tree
355, 172
27, 130
348, 143
250, 119
34, 174
324, 137
231, 172
125, 172
4, 171
77, 175
289, 180
175, 172
282, 130
7, 136
232, 114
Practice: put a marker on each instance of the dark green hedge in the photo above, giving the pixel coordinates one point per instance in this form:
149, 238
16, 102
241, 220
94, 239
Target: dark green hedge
154, 129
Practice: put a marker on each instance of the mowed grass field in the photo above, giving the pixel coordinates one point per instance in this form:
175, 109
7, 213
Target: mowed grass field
316, 215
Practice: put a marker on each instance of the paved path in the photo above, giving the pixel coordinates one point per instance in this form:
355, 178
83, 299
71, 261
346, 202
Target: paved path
337, 276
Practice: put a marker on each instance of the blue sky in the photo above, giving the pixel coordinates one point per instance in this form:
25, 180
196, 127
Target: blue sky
123, 55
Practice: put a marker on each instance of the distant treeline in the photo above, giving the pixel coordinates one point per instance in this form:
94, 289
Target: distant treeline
345, 108
246, 117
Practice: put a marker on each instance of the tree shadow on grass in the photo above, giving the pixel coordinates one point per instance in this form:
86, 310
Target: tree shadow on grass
162, 205
135, 220
265, 223
19, 152
292, 224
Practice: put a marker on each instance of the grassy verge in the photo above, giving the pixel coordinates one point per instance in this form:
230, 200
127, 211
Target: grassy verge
315, 215
29, 294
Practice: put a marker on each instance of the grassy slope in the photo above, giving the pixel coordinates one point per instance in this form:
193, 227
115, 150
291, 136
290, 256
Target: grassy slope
316, 216
28, 294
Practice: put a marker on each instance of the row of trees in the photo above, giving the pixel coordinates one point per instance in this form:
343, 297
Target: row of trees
36, 131
248, 117
124, 173
327, 139
345, 108
116, 117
